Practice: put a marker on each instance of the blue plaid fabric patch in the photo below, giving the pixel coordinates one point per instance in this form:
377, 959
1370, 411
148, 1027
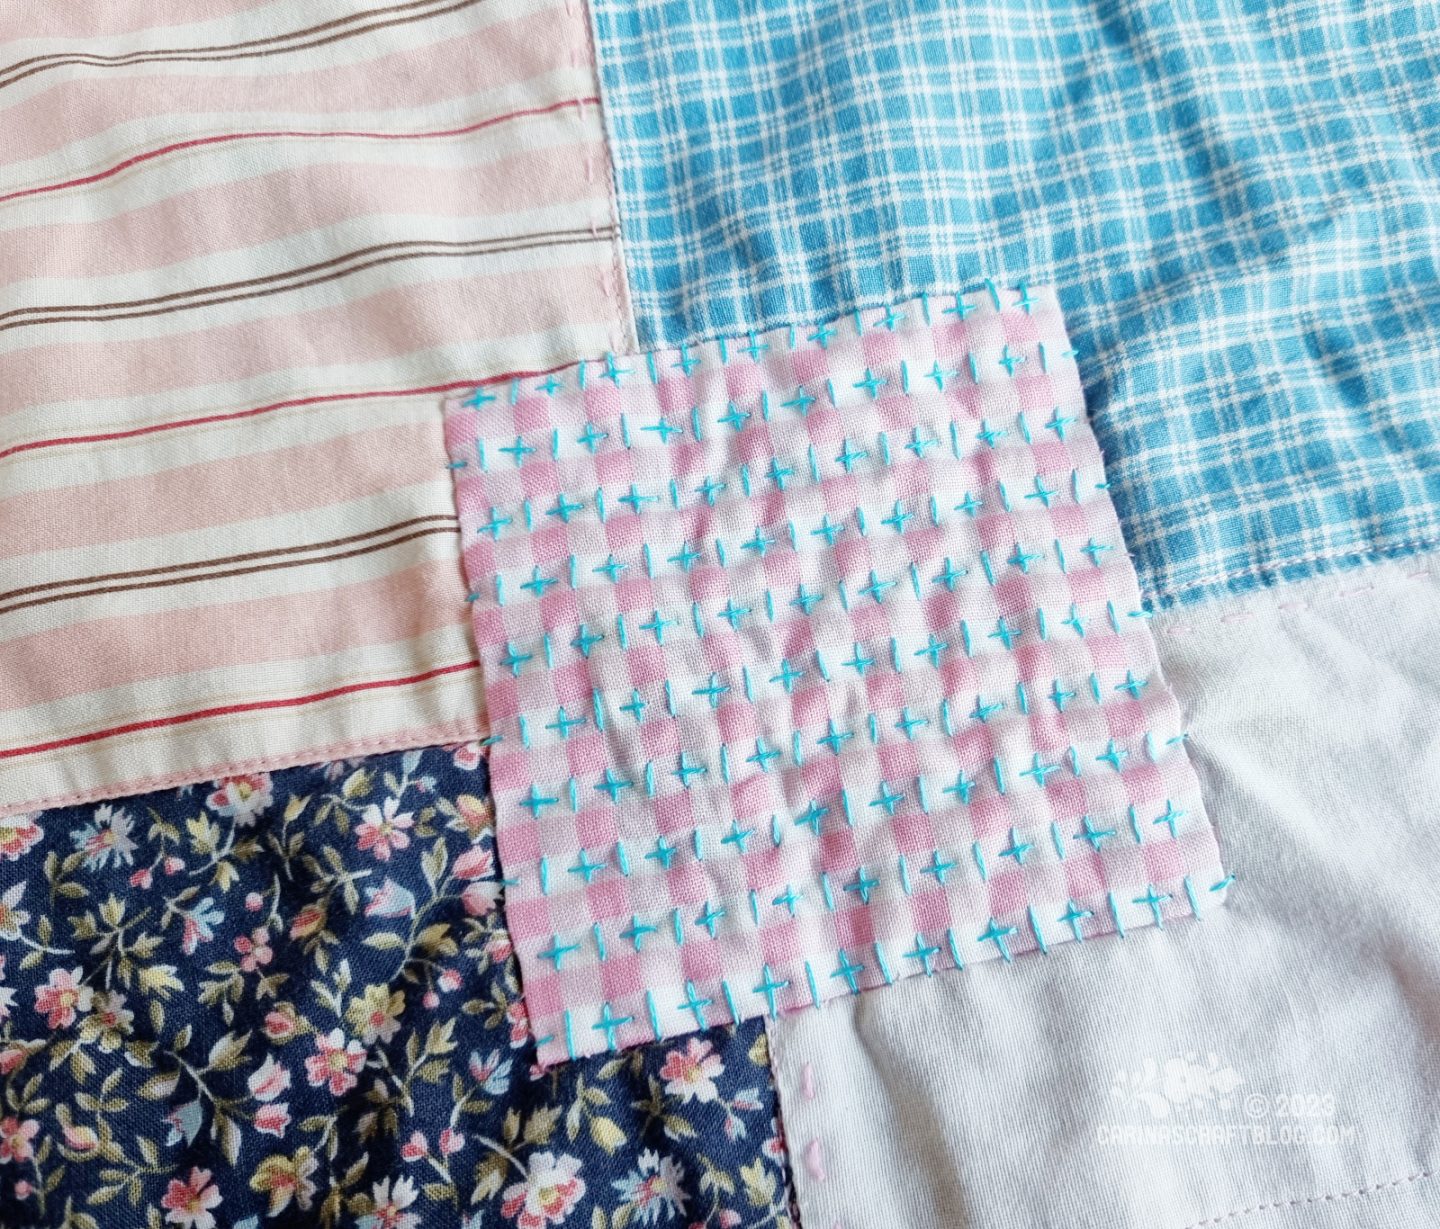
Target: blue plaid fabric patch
1240, 201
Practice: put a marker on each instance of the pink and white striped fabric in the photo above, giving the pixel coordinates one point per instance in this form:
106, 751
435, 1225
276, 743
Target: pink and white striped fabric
813, 660
243, 251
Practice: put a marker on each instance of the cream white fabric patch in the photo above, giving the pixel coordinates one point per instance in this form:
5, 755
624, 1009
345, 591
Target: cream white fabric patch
1274, 1065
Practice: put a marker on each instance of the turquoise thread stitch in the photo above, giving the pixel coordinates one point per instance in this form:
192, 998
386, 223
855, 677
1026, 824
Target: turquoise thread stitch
557, 951
1035, 930
610, 1024
938, 867
1016, 849
637, 706
953, 944
888, 800
1095, 837
599, 940
687, 364
962, 788
849, 972
730, 1002
979, 855
862, 885
654, 1015
883, 965
788, 899
1190, 896
611, 785
811, 817
695, 1005
1113, 755
814, 989
826, 892
535, 802
1073, 916
1153, 900
584, 867
997, 934
710, 918
1171, 817
1115, 913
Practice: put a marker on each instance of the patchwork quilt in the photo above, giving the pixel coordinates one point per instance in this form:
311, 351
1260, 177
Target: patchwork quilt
719, 613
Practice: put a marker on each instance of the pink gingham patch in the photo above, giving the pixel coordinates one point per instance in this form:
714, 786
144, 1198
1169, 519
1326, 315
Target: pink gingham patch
814, 659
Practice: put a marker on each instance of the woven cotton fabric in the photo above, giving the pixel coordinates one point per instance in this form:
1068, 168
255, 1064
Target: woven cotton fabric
289, 999
813, 660
1239, 201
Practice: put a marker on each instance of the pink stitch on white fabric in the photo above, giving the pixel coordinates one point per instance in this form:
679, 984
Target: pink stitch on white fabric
815, 1160
813, 659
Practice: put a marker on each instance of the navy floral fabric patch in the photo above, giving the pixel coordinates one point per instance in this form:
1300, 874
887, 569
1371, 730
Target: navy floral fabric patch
290, 999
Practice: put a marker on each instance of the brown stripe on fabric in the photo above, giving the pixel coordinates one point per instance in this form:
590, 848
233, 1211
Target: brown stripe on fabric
300, 279
426, 680
12, 74
171, 581
222, 560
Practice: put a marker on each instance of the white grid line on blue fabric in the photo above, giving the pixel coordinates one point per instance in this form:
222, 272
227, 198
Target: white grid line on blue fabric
1239, 200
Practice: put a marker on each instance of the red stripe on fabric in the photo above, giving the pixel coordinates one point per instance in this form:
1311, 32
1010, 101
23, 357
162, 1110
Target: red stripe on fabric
226, 138
230, 709
294, 402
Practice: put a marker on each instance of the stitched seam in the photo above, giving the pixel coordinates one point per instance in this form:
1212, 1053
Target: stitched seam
405, 740
1297, 606
1197, 588
620, 292
1310, 1200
